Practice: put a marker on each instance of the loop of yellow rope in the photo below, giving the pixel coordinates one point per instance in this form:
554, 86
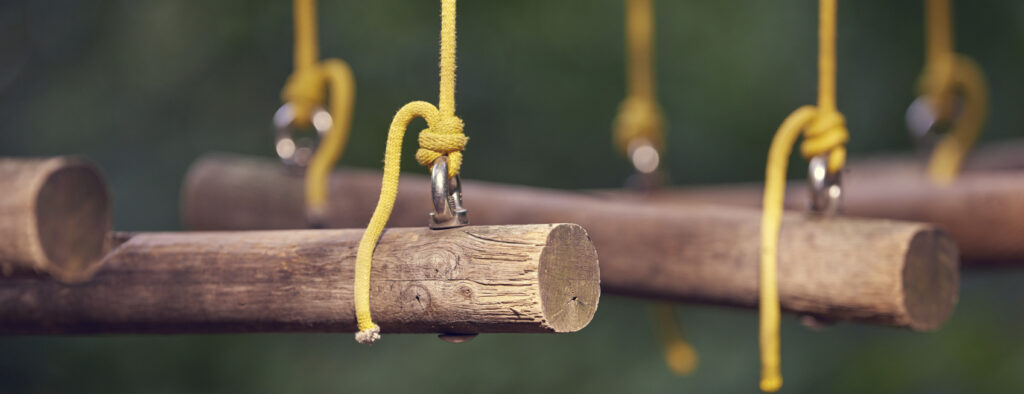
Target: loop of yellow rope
341, 84
640, 115
947, 75
443, 136
305, 90
824, 131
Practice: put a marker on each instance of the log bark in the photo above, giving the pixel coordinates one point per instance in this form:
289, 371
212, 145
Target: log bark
981, 210
477, 279
878, 271
54, 216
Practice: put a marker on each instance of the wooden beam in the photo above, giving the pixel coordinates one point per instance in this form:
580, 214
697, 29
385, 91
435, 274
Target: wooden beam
981, 210
477, 279
54, 216
879, 271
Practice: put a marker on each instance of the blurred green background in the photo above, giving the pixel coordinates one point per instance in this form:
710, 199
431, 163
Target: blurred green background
144, 87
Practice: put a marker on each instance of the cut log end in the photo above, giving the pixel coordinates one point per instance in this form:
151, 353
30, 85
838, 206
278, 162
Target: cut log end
72, 219
56, 216
930, 279
570, 278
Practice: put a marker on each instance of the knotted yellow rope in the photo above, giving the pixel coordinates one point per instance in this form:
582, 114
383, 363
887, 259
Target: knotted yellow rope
443, 136
640, 117
304, 90
640, 120
946, 76
824, 131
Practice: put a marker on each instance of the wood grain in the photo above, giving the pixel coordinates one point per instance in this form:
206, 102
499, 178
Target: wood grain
878, 271
477, 279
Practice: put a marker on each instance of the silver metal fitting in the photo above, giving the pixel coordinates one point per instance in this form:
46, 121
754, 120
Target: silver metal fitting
446, 194
826, 189
295, 151
924, 124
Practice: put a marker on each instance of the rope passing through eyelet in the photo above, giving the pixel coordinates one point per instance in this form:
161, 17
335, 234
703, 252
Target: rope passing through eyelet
824, 131
305, 91
948, 75
443, 136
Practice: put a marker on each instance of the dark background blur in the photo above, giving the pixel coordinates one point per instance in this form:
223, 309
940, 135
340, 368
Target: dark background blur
145, 87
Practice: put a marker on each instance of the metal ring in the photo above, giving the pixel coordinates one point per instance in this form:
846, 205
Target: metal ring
643, 155
826, 189
924, 124
297, 152
446, 195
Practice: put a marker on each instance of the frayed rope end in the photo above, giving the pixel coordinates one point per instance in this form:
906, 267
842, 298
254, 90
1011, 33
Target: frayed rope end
368, 336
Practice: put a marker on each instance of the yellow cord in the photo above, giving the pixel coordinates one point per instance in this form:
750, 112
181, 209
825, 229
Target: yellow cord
640, 116
946, 75
304, 90
824, 131
443, 136
640, 119
680, 356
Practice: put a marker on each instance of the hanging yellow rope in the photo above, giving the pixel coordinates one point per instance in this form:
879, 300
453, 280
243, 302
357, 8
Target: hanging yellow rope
640, 121
640, 117
443, 137
680, 356
824, 131
946, 76
304, 90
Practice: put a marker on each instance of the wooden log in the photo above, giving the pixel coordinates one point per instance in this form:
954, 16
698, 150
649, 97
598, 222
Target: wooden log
996, 156
878, 271
981, 210
54, 216
477, 279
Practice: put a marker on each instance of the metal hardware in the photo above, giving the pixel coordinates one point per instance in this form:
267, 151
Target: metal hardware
826, 189
446, 194
643, 155
924, 124
298, 151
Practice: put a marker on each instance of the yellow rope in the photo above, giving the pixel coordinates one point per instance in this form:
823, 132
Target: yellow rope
947, 75
640, 116
640, 119
824, 131
304, 90
443, 136
680, 356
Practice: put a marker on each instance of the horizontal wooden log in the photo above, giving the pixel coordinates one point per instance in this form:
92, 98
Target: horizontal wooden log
981, 209
996, 156
879, 271
478, 279
54, 216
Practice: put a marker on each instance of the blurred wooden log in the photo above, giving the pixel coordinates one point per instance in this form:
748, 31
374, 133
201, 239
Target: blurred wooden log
54, 216
983, 211
533, 278
885, 272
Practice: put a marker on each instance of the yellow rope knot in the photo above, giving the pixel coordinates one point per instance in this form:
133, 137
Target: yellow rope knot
305, 91
442, 137
826, 133
639, 118
946, 76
